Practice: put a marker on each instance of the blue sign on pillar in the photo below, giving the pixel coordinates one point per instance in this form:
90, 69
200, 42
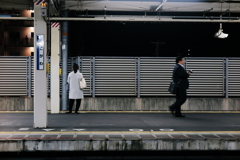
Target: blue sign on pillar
40, 52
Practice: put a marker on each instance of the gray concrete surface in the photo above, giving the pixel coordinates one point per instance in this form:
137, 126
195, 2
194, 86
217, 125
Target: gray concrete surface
125, 121
26, 145
129, 104
110, 132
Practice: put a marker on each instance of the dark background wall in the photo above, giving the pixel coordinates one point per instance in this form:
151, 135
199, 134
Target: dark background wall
134, 39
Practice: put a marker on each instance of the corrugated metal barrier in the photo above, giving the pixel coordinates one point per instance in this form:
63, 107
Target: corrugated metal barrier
155, 76
129, 76
233, 70
13, 79
115, 77
207, 78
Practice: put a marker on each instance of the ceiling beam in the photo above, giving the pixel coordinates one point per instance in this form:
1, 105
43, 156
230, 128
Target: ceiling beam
142, 19
128, 19
17, 18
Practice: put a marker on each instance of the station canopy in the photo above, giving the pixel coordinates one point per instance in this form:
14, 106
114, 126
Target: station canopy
192, 9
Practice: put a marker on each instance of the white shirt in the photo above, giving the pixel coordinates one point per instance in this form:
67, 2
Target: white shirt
74, 90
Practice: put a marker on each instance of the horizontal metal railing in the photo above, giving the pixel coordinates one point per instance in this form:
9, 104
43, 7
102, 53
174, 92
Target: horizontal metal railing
155, 76
115, 77
207, 78
129, 76
234, 77
13, 80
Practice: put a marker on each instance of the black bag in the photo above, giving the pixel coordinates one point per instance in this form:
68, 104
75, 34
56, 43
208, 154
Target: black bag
173, 88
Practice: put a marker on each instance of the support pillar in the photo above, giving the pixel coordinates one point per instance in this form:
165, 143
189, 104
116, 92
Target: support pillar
55, 59
40, 76
64, 33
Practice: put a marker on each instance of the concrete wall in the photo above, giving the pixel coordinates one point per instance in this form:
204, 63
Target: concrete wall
131, 104
16, 104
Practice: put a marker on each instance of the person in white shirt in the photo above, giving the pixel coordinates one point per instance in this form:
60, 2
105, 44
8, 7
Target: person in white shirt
75, 93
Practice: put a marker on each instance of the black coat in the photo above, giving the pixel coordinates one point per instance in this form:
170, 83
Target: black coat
180, 75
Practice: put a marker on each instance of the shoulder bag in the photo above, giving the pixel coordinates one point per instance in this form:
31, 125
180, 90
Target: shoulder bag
82, 83
173, 87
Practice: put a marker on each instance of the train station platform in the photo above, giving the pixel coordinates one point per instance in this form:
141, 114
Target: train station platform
121, 131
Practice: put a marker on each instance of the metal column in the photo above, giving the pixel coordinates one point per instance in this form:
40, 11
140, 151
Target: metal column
226, 78
40, 79
64, 37
29, 76
139, 77
92, 76
79, 62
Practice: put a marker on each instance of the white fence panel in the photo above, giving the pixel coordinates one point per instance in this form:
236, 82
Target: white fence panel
115, 77
155, 76
85, 68
207, 78
13, 79
108, 76
234, 77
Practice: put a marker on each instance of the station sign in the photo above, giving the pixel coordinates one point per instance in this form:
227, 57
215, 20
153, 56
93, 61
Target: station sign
40, 52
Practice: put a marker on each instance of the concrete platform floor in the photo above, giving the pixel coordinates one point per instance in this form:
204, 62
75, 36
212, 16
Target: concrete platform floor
105, 121
105, 131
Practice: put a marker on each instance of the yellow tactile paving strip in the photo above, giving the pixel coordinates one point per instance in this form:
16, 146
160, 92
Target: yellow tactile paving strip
128, 111
121, 132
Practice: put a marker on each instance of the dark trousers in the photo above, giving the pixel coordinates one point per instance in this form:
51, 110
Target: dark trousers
71, 101
181, 97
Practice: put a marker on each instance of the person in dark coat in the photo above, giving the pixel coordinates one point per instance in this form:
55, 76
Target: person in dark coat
180, 76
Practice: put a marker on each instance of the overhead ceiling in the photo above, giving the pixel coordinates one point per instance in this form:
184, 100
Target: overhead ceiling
167, 7
152, 5
133, 5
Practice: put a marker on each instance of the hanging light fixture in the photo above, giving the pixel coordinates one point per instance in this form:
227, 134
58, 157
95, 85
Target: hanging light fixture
220, 33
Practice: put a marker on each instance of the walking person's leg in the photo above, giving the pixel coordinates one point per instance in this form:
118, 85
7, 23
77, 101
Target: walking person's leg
71, 101
176, 104
173, 106
77, 105
182, 97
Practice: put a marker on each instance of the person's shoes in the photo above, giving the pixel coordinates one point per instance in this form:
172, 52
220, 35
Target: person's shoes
76, 113
180, 116
171, 110
68, 112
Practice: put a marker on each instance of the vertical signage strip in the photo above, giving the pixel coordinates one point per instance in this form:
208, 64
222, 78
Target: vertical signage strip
40, 52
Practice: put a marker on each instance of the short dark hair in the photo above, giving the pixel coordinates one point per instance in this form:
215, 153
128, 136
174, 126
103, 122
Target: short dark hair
75, 67
179, 58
